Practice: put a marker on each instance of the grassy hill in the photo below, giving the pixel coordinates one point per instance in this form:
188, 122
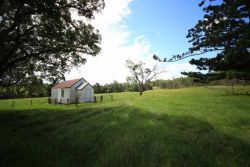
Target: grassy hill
178, 127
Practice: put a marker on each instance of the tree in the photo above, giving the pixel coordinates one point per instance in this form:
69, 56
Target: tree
97, 88
224, 29
132, 84
41, 38
141, 74
32, 87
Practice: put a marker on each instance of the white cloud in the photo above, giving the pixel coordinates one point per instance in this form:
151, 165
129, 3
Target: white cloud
174, 70
110, 64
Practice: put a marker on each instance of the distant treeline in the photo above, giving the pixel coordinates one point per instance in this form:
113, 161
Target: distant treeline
36, 87
133, 87
175, 83
119, 87
163, 84
188, 82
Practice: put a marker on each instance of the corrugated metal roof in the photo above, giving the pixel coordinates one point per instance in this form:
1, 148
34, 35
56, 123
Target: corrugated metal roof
82, 85
66, 84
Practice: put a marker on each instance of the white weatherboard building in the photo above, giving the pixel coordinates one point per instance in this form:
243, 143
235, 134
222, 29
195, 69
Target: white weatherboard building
72, 90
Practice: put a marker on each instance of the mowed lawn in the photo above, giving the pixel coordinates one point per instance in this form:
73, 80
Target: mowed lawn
200, 126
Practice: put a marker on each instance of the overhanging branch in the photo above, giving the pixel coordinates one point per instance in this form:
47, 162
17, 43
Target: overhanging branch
185, 55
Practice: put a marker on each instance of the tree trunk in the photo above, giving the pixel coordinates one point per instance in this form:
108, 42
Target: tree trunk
141, 88
141, 92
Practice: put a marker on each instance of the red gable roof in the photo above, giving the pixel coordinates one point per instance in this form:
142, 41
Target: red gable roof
66, 84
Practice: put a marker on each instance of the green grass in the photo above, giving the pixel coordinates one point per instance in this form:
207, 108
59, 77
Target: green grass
178, 127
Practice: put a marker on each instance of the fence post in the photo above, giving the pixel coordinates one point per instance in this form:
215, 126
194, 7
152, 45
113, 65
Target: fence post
13, 103
101, 98
67, 102
111, 97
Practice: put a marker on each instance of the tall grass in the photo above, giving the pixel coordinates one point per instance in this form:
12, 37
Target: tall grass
177, 127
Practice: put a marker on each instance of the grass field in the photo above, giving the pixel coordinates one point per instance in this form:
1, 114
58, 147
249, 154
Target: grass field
176, 127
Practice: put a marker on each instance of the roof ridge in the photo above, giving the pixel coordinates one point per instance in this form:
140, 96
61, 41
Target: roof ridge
67, 83
71, 80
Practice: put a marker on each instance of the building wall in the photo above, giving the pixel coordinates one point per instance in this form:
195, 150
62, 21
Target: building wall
82, 94
92, 92
66, 95
73, 91
54, 93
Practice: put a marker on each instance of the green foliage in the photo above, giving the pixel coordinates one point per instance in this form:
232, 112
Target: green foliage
33, 88
175, 83
199, 79
224, 28
109, 88
239, 76
175, 127
120, 87
40, 37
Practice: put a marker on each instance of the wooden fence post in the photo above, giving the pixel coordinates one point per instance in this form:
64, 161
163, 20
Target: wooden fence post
13, 103
101, 98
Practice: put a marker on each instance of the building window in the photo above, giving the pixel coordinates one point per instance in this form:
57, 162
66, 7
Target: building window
62, 92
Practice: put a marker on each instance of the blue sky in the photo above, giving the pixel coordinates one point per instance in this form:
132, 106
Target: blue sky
164, 23
137, 29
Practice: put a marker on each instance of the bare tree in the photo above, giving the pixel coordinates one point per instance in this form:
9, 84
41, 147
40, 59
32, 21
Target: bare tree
142, 74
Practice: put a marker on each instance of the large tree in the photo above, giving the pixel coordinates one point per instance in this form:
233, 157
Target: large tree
141, 74
40, 37
225, 30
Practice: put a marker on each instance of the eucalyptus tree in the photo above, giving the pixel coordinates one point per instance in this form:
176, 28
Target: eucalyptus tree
141, 74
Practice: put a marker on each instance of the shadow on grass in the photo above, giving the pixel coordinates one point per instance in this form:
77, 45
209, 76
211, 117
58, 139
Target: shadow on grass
118, 136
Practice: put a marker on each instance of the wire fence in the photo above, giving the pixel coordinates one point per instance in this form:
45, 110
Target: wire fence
77, 100
230, 90
41, 102
11, 103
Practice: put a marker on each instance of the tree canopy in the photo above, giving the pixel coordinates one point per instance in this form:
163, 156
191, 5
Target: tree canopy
40, 38
225, 29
